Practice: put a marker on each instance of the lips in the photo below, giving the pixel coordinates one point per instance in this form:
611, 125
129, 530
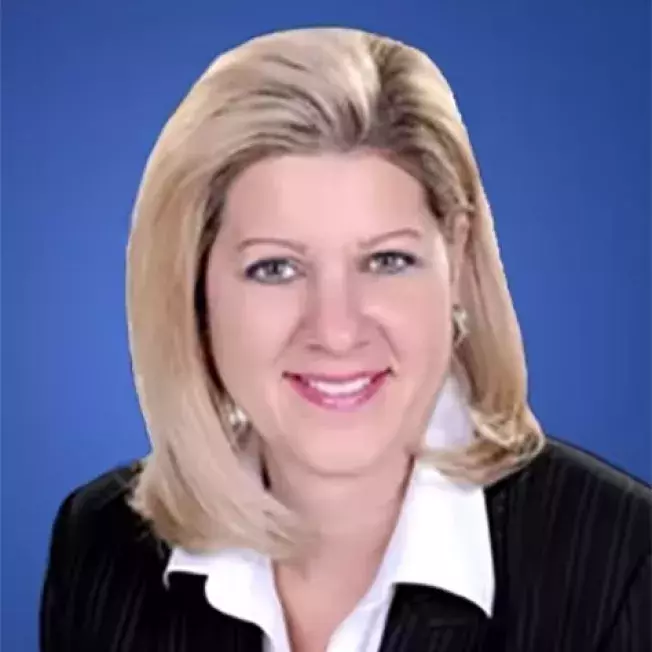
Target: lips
338, 392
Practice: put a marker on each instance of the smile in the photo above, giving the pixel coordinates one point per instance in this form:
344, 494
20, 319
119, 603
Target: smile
338, 392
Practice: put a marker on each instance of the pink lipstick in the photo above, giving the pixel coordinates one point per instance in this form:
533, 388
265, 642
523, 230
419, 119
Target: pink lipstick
344, 392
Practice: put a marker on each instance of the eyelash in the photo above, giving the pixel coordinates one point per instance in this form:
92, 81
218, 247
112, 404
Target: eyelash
409, 260
253, 270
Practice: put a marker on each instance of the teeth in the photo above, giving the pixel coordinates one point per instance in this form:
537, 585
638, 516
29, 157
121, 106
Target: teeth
340, 389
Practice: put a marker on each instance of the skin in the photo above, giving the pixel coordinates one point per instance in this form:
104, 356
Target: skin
361, 279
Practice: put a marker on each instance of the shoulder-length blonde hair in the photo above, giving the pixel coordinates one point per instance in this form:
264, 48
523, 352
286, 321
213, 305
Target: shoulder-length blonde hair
300, 91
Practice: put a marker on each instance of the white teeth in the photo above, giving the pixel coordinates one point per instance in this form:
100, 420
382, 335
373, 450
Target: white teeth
340, 389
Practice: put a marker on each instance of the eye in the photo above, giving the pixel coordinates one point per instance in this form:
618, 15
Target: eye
391, 262
272, 271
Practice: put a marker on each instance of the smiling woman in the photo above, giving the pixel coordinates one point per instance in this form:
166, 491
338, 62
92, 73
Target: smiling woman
356, 303
333, 380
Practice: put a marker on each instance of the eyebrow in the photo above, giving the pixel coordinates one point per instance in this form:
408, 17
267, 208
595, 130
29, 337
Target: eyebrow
415, 234
290, 244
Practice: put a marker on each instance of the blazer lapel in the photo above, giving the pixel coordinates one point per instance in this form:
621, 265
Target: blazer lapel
201, 628
420, 619
423, 618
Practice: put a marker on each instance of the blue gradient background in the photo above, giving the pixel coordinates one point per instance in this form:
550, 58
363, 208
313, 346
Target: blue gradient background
557, 99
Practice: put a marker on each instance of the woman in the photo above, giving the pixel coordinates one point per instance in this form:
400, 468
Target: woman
332, 376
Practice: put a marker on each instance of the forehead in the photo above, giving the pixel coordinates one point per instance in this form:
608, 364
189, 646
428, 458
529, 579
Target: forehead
315, 196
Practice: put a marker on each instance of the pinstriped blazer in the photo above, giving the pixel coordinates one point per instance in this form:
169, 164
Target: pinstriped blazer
571, 538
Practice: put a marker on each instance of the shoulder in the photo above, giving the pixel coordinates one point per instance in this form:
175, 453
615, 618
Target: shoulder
569, 489
572, 536
96, 518
103, 498
567, 479
560, 454
104, 579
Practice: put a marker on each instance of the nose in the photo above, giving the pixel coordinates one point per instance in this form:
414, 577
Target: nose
335, 317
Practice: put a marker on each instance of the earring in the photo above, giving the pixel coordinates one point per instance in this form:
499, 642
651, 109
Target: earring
238, 420
460, 324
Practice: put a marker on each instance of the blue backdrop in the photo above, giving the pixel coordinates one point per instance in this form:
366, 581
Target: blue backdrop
557, 99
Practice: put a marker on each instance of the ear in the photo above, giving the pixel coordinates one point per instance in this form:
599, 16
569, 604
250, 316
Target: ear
458, 240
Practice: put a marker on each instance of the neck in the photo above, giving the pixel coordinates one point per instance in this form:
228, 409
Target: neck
353, 517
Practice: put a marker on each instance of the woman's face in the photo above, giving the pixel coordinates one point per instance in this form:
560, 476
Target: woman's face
329, 289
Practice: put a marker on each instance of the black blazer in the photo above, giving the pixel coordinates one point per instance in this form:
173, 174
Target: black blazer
571, 540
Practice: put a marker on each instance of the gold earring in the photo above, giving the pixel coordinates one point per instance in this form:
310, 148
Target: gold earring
460, 324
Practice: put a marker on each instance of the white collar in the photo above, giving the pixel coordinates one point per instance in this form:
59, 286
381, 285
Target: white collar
442, 539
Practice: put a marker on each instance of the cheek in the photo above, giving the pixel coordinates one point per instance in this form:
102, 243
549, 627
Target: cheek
431, 312
420, 329
249, 326
416, 315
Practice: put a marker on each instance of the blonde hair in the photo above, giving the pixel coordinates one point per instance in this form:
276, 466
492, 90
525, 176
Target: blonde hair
300, 91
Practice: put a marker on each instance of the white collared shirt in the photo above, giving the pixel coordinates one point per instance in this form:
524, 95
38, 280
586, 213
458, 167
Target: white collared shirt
441, 539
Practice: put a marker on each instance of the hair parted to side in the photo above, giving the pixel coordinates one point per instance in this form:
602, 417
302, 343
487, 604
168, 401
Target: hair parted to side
301, 91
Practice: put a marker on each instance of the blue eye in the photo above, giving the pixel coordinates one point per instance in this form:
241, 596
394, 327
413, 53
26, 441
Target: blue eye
272, 271
391, 262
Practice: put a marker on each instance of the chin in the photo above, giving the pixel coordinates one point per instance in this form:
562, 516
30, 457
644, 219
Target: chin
345, 453
342, 442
